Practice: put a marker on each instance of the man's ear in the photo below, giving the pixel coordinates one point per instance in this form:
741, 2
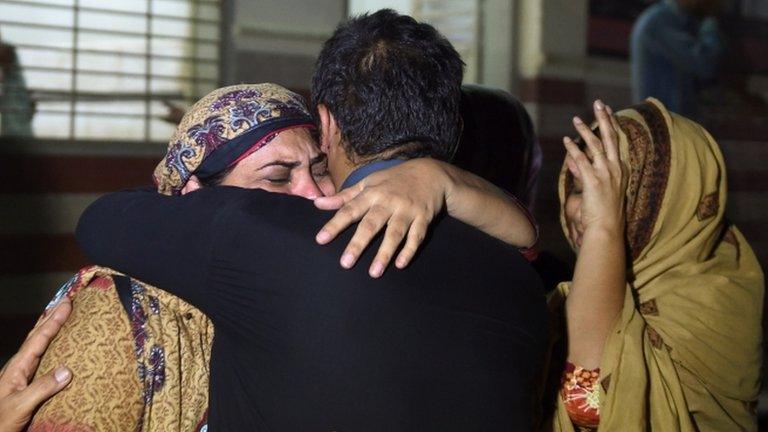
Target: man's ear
192, 185
328, 128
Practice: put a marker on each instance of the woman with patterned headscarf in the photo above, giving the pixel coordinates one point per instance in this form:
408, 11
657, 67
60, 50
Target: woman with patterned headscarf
662, 318
148, 369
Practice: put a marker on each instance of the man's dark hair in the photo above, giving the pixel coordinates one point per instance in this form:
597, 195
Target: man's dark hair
391, 83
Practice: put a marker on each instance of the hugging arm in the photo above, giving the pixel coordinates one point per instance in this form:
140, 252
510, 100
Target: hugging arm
164, 241
408, 197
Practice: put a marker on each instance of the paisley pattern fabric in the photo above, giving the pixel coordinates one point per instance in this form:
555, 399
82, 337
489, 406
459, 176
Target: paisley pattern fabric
143, 371
217, 120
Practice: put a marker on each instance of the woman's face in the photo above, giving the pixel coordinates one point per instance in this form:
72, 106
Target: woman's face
290, 164
573, 214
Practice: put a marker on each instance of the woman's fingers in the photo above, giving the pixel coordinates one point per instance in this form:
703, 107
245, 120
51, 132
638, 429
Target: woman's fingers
416, 236
18, 397
613, 151
370, 225
397, 227
28, 357
594, 144
607, 131
26, 401
572, 167
350, 213
580, 159
341, 198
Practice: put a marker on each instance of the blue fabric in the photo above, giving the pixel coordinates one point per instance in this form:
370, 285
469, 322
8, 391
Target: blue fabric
366, 170
673, 53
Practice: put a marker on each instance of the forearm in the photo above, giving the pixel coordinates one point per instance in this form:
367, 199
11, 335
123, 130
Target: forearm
164, 241
596, 296
477, 202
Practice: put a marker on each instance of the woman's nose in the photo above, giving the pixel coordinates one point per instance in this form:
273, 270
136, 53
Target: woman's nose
306, 187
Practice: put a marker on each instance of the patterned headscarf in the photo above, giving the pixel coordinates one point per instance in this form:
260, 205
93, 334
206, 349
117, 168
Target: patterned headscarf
689, 335
224, 127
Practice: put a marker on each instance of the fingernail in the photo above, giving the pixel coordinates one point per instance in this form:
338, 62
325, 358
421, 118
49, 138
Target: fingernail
322, 237
577, 120
609, 109
400, 263
376, 269
62, 374
347, 259
599, 105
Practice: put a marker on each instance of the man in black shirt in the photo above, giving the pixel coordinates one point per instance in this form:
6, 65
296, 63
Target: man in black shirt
454, 342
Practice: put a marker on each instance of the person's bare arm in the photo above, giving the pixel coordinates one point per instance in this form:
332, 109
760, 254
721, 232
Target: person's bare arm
407, 198
597, 293
19, 398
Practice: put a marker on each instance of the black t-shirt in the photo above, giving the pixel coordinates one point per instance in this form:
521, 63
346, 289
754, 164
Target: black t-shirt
453, 343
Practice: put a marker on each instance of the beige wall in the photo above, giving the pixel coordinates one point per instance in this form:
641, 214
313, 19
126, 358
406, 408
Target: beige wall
278, 40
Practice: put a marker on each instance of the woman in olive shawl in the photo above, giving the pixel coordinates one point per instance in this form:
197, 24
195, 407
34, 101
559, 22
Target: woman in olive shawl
666, 336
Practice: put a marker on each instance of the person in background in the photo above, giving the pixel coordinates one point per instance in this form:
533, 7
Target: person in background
16, 105
676, 49
662, 318
498, 141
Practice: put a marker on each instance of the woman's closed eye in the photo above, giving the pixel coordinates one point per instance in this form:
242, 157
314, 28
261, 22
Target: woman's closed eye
279, 181
278, 175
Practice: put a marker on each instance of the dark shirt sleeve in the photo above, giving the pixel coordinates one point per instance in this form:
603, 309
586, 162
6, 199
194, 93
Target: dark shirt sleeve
164, 241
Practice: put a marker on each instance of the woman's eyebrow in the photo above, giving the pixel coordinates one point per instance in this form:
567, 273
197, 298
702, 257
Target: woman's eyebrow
283, 163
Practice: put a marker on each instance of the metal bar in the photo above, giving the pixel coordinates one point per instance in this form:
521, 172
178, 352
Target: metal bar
92, 114
32, 3
202, 2
194, 52
226, 40
73, 78
118, 53
287, 34
46, 95
118, 74
85, 113
107, 32
148, 71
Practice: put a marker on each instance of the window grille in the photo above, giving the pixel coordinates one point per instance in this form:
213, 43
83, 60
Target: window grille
95, 69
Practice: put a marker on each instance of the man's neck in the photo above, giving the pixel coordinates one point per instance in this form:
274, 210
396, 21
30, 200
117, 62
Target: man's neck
365, 170
340, 171
342, 167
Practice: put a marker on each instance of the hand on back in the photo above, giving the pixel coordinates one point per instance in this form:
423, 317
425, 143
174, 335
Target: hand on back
404, 199
19, 395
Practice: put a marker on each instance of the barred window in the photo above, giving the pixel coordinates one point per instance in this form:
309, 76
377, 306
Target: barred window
95, 70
